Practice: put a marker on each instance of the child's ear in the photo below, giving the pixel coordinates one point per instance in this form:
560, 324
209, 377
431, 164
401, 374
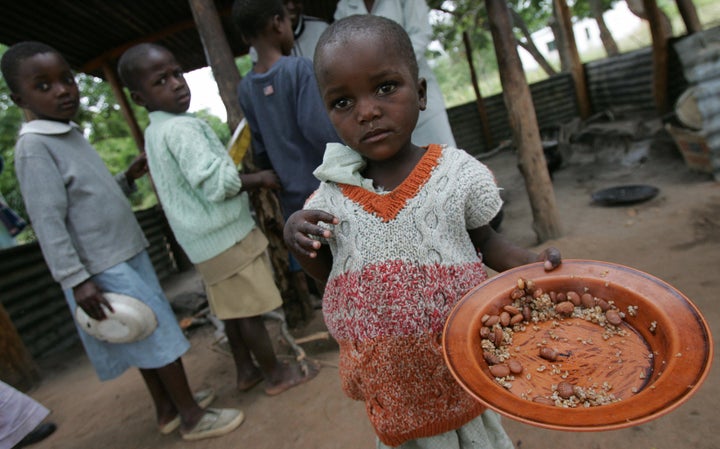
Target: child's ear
422, 93
138, 98
17, 99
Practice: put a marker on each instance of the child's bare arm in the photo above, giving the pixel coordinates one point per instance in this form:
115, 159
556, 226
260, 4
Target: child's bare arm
501, 254
313, 256
257, 180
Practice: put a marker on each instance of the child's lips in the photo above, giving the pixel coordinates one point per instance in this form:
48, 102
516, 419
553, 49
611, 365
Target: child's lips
67, 105
375, 135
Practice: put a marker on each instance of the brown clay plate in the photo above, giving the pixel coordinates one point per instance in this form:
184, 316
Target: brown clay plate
655, 367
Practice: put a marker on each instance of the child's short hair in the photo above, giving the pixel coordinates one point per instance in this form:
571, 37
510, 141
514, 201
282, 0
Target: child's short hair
129, 62
251, 16
15, 55
391, 32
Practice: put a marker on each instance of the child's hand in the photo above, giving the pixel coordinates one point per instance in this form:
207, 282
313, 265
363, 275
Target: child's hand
269, 179
90, 298
301, 225
552, 258
263, 178
137, 168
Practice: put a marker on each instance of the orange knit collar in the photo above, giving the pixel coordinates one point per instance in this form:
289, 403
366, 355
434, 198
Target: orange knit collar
388, 205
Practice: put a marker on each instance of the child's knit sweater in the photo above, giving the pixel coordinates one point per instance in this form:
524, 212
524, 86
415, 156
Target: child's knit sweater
401, 261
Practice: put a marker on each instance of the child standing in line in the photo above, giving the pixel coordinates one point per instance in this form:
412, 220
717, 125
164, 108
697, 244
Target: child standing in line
281, 102
204, 199
92, 242
401, 233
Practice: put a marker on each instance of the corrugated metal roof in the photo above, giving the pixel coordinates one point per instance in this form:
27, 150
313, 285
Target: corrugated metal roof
89, 32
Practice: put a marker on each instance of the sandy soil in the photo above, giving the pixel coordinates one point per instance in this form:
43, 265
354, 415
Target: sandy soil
675, 236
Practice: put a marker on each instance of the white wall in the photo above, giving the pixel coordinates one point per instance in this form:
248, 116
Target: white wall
619, 20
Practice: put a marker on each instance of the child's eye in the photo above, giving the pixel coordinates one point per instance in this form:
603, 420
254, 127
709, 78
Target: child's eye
341, 103
178, 74
70, 80
43, 86
386, 88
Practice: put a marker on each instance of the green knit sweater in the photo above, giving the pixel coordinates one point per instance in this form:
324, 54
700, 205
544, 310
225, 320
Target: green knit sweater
198, 185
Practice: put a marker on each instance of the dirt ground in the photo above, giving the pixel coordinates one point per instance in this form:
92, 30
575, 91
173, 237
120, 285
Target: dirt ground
675, 236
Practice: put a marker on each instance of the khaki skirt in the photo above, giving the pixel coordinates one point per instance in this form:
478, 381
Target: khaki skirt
239, 281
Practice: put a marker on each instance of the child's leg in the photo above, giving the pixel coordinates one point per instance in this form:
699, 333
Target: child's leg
171, 393
252, 335
248, 375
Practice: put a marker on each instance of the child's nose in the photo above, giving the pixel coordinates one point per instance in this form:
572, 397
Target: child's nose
367, 110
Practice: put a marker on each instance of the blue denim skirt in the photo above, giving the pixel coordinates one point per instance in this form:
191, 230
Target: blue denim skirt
134, 277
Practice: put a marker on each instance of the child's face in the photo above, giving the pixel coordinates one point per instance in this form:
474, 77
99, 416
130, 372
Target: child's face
287, 38
162, 84
47, 88
371, 96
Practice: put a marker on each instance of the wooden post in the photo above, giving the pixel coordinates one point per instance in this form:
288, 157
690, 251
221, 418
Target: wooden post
264, 202
219, 57
523, 120
660, 55
689, 15
577, 71
127, 112
487, 134
17, 367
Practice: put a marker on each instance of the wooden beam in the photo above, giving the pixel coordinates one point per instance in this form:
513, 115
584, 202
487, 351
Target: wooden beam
523, 120
660, 55
577, 71
689, 15
127, 112
17, 367
484, 122
219, 57
114, 53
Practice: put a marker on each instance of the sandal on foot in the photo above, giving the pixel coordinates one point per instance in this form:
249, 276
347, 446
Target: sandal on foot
203, 398
305, 376
214, 423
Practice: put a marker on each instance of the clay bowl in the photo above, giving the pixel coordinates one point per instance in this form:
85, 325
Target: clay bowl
656, 366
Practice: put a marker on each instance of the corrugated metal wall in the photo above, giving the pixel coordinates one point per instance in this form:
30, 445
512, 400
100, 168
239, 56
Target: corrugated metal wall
554, 102
700, 55
35, 302
621, 83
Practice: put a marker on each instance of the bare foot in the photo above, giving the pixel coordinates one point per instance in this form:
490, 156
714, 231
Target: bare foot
246, 383
293, 376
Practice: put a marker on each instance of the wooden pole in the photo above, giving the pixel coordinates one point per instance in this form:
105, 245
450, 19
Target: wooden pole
219, 57
523, 121
577, 71
264, 202
487, 134
17, 367
660, 55
127, 112
689, 15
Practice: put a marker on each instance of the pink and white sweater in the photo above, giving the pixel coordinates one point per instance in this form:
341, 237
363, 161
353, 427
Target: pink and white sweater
401, 261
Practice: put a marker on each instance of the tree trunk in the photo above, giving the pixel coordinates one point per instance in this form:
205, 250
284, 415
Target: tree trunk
17, 367
576, 69
637, 7
529, 44
596, 9
264, 202
482, 112
689, 15
660, 54
523, 121
560, 42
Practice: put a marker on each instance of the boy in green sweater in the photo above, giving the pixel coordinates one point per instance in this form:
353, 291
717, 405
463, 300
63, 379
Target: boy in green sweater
204, 198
